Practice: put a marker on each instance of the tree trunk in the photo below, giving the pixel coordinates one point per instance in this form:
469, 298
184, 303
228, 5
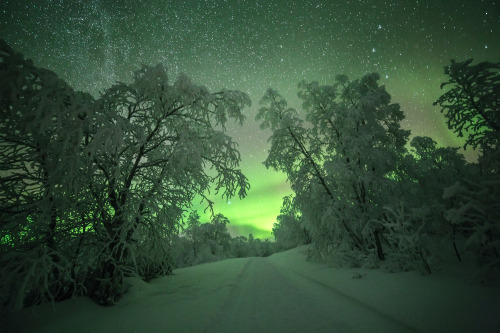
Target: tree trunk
380, 252
107, 284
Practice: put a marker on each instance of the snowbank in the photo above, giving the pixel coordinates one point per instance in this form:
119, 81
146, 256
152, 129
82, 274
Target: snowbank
440, 302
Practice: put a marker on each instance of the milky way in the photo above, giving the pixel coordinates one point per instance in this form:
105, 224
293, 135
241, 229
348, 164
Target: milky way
253, 45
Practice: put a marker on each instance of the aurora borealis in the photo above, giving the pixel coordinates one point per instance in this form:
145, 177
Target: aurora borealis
252, 45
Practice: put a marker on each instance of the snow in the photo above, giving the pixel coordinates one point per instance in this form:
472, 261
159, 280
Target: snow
281, 293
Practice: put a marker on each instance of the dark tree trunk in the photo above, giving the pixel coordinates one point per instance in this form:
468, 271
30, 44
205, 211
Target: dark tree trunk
380, 252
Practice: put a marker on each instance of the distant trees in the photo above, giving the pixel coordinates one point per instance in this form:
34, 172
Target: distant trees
94, 190
193, 232
206, 242
216, 238
289, 230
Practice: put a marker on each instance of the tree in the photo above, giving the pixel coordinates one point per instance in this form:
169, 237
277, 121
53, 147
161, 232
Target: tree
216, 236
43, 122
427, 169
160, 138
94, 190
355, 121
471, 107
193, 231
339, 167
288, 230
294, 152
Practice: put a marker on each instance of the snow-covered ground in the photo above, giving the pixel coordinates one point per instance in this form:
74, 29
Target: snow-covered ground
282, 293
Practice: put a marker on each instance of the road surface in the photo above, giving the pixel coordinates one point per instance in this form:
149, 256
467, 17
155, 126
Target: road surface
281, 293
268, 297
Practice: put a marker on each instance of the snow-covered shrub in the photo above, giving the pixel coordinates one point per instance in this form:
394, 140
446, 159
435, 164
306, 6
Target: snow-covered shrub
181, 251
476, 214
33, 276
153, 260
406, 231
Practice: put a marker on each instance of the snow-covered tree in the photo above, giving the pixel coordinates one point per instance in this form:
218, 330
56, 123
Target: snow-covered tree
193, 233
294, 152
358, 125
216, 236
151, 152
43, 123
93, 190
340, 165
472, 109
471, 105
288, 230
424, 172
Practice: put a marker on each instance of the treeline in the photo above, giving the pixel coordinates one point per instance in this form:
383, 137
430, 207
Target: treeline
205, 242
361, 194
94, 189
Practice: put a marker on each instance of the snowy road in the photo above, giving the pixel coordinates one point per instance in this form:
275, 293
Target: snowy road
281, 293
270, 298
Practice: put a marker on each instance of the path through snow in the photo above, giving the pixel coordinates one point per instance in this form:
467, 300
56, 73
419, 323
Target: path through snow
282, 293
270, 298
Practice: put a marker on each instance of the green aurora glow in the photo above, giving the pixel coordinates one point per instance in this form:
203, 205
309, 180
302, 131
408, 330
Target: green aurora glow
251, 45
252, 214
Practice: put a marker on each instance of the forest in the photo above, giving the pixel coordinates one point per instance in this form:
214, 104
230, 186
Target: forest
94, 190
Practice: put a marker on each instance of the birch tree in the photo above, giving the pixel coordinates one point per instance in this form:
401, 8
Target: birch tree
43, 123
472, 110
151, 153
94, 190
340, 163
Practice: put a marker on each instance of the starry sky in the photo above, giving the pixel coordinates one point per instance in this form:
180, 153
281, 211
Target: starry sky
251, 45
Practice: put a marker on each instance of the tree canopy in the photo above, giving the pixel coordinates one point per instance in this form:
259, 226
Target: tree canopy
366, 197
95, 189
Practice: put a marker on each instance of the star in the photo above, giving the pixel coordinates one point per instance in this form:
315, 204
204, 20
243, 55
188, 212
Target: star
254, 45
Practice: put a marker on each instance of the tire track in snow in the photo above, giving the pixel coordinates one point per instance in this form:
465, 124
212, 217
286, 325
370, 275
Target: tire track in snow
234, 296
271, 298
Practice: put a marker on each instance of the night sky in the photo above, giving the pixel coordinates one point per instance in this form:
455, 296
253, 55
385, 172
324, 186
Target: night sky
252, 45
